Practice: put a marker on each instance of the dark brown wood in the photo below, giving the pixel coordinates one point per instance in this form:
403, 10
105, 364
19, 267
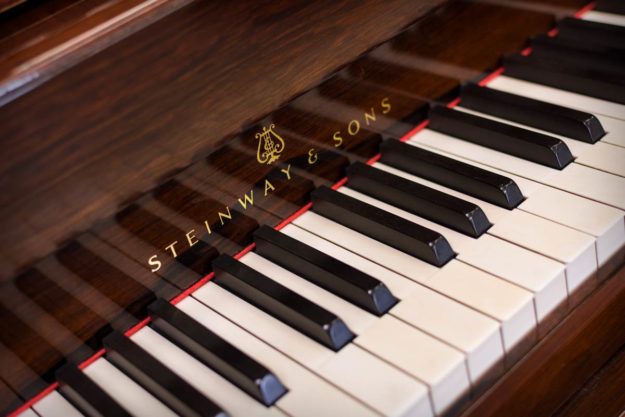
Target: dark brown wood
161, 97
9, 400
123, 151
562, 362
602, 395
67, 309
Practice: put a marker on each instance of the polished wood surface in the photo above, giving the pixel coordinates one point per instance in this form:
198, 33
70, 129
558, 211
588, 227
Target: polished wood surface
149, 148
602, 395
161, 98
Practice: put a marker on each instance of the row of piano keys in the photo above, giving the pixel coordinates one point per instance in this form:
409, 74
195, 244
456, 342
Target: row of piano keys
465, 293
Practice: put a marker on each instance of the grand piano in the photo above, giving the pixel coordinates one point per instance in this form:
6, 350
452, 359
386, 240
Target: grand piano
330, 208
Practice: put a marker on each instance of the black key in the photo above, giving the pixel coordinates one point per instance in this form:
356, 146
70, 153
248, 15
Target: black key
468, 179
281, 303
156, 378
601, 33
325, 271
86, 395
216, 353
616, 54
523, 143
418, 199
383, 226
550, 117
568, 51
565, 76
610, 6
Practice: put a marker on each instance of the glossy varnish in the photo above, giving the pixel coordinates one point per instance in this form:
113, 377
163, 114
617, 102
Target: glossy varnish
145, 143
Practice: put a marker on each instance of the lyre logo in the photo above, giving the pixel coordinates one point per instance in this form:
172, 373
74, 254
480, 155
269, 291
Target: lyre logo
270, 145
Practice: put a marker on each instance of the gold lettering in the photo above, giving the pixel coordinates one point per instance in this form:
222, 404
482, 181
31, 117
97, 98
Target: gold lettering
268, 186
312, 156
338, 140
153, 261
248, 199
172, 249
191, 237
287, 171
226, 215
370, 116
208, 227
386, 105
353, 131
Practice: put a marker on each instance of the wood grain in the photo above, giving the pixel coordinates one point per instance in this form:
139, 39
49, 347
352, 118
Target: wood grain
162, 97
131, 147
561, 363
602, 395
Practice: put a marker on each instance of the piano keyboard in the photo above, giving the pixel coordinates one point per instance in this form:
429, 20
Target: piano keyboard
416, 284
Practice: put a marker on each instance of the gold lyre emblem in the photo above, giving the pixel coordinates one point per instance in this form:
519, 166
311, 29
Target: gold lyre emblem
270, 145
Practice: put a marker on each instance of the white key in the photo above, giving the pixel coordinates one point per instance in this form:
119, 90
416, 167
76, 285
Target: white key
294, 344
125, 391
308, 395
603, 222
473, 333
360, 382
477, 335
28, 413
590, 183
232, 400
466, 150
356, 318
440, 366
575, 178
544, 277
576, 147
388, 390
511, 305
400, 286
573, 248
516, 313
493, 212
615, 130
382, 254
563, 98
601, 155
605, 157
603, 17
54, 405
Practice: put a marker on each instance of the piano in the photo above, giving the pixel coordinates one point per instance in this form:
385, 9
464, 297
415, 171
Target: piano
354, 208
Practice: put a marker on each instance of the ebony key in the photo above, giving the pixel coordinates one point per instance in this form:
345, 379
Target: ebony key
515, 141
601, 33
545, 116
460, 176
325, 271
418, 199
569, 51
610, 6
216, 353
159, 380
86, 395
281, 303
566, 76
388, 228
